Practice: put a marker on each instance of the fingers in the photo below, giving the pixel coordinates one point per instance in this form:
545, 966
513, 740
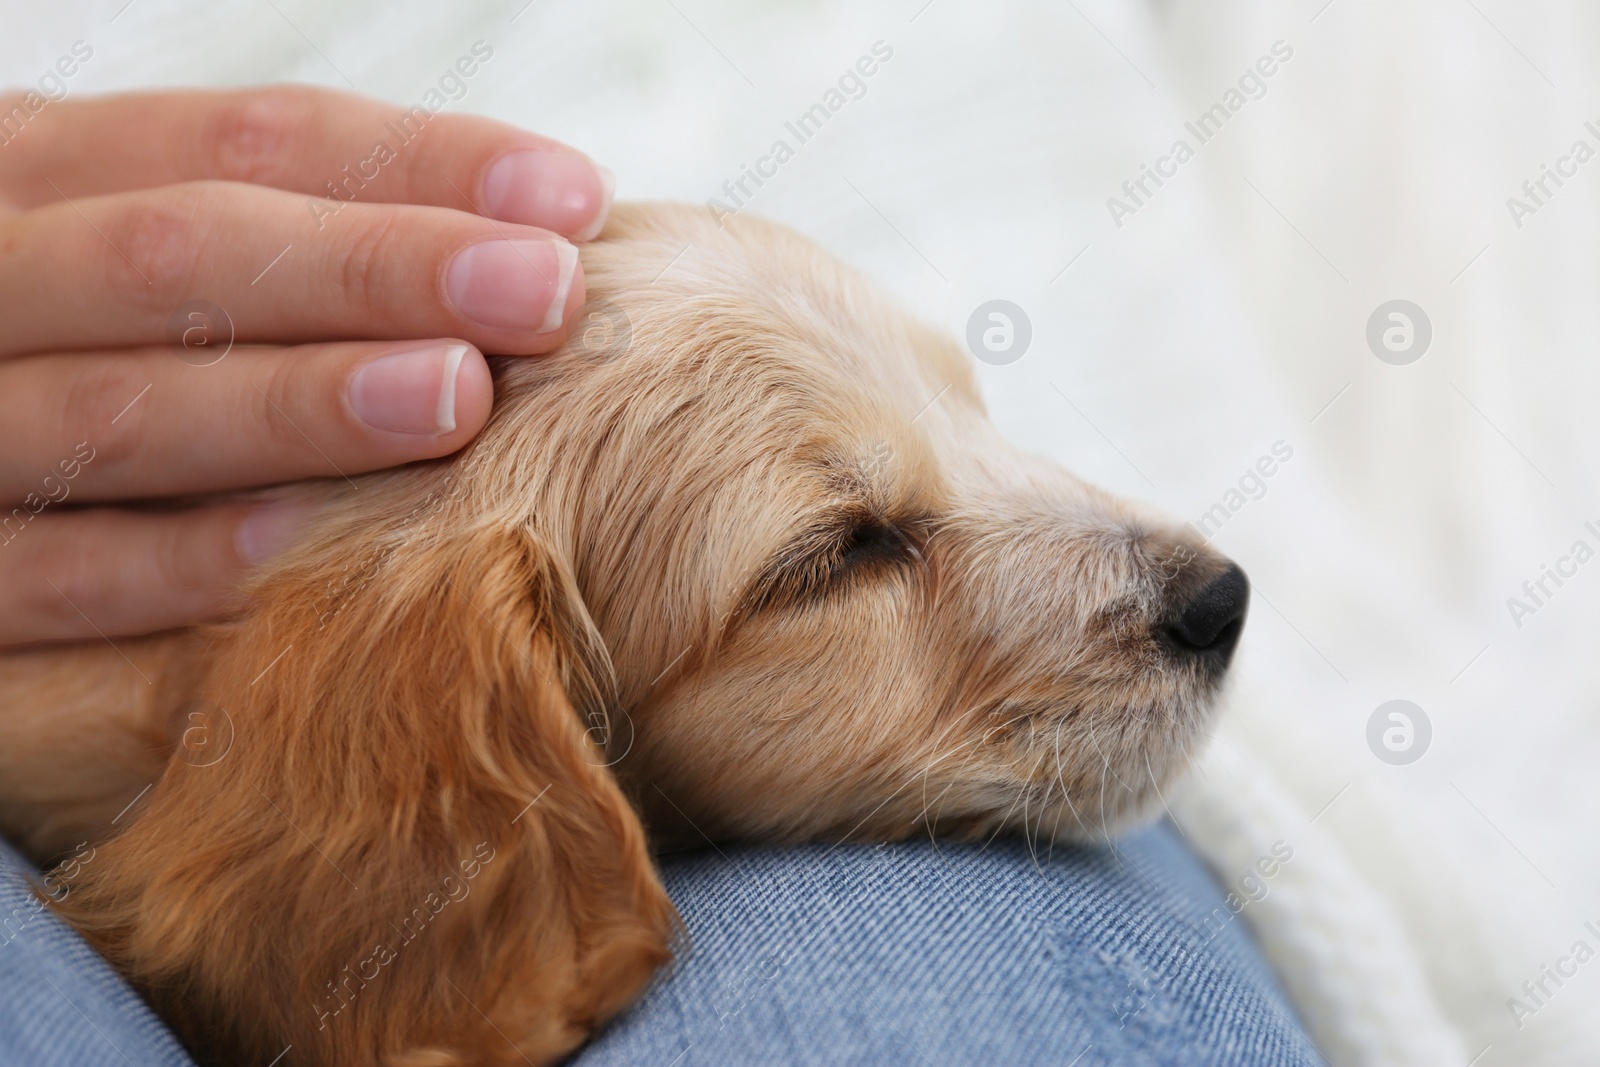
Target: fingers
73, 575
315, 142
279, 272
128, 425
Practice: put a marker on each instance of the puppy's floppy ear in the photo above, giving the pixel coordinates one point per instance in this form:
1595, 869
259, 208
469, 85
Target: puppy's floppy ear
412, 853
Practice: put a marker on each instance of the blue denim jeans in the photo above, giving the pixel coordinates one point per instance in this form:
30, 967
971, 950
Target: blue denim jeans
895, 954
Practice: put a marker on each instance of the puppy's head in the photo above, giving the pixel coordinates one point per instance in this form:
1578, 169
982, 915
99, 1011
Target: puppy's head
746, 556
832, 598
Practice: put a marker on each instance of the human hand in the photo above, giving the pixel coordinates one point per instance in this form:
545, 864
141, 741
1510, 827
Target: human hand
116, 213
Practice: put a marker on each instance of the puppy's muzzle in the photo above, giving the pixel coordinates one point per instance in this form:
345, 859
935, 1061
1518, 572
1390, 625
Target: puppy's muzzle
1206, 624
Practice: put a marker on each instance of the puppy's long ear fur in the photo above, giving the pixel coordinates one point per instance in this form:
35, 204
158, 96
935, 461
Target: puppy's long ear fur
362, 875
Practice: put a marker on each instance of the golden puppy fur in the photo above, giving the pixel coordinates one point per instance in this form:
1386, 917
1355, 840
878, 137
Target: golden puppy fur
744, 559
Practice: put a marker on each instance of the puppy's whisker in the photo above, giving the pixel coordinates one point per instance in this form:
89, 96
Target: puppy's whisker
1154, 785
922, 816
1106, 762
1055, 828
931, 764
1076, 814
1105, 830
1000, 824
1060, 779
1033, 850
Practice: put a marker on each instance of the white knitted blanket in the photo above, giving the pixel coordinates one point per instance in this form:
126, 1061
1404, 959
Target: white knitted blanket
1191, 310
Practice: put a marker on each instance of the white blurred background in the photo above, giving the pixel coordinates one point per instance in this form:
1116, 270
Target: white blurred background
1169, 353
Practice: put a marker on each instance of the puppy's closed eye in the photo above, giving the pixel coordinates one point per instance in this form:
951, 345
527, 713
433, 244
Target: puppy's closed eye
835, 557
871, 543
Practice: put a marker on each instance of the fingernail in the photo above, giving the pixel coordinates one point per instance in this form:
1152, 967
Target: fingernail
269, 530
409, 392
608, 187
560, 191
513, 284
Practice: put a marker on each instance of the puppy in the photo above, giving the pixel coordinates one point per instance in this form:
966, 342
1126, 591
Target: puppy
745, 559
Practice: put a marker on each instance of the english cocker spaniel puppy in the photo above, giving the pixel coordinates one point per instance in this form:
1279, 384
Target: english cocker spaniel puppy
745, 559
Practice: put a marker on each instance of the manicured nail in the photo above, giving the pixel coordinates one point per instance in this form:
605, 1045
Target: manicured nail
409, 392
608, 188
513, 284
560, 191
269, 530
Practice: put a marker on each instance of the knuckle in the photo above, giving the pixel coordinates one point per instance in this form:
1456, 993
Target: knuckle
153, 242
247, 139
276, 400
106, 409
175, 565
63, 581
366, 269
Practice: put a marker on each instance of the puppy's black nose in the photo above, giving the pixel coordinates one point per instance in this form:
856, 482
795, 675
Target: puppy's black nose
1208, 625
